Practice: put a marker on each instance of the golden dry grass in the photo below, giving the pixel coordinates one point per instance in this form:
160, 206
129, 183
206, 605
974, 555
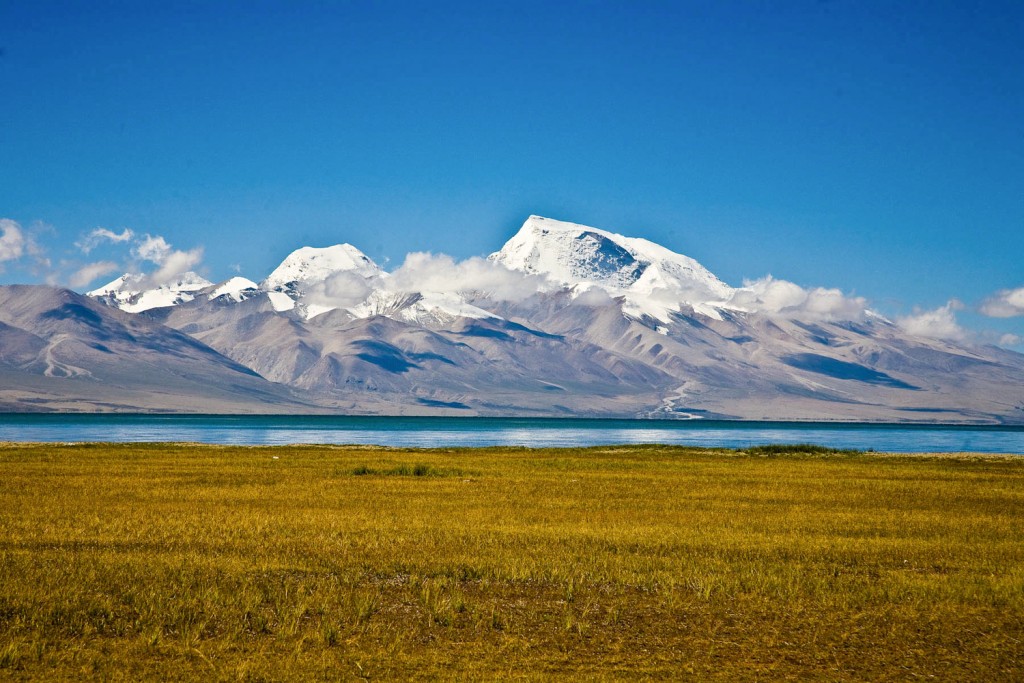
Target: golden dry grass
188, 562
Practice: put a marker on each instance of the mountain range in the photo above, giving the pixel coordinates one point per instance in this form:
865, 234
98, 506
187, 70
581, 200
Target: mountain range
563, 320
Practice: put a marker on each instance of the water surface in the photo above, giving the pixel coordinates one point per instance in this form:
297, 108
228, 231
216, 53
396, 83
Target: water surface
430, 432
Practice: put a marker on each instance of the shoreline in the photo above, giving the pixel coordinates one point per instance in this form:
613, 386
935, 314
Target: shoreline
599, 449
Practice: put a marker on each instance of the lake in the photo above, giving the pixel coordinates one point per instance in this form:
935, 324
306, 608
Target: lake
427, 432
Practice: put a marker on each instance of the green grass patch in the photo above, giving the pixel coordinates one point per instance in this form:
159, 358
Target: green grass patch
809, 449
188, 562
417, 470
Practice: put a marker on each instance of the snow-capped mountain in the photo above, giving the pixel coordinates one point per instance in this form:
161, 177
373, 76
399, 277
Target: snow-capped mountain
306, 278
654, 280
309, 265
567, 319
431, 309
134, 293
236, 289
574, 254
67, 352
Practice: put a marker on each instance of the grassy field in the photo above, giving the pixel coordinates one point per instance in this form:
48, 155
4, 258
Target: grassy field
129, 562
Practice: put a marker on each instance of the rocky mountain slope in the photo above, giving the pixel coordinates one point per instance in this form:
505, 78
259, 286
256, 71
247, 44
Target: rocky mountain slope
63, 351
563, 320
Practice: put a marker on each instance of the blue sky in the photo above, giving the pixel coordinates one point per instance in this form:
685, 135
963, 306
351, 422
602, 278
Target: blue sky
873, 147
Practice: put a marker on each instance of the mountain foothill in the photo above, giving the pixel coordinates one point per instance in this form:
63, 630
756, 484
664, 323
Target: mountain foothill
563, 320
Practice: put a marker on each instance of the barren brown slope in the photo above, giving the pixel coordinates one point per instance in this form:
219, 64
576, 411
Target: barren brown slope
64, 351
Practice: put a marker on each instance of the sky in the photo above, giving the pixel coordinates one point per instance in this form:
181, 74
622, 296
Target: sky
877, 148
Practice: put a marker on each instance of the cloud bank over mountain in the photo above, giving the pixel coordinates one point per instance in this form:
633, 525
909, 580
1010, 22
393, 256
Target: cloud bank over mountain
650, 279
780, 297
939, 323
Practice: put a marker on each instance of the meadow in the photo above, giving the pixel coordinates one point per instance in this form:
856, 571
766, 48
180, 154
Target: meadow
194, 562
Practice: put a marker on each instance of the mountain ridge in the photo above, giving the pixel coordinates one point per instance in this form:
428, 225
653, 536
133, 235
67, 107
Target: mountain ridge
571, 320
64, 351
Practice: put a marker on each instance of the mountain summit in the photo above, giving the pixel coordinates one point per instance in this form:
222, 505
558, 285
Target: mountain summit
654, 280
574, 254
310, 265
135, 293
567, 319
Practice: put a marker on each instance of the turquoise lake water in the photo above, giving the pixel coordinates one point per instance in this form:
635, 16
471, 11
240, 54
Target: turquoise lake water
429, 432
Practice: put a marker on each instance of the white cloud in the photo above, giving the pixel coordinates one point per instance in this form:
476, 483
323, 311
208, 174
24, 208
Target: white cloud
13, 242
1009, 339
152, 248
174, 263
425, 272
91, 271
342, 289
593, 297
17, 242
171, 262
100, 235
939, 323
781, 297
1006, 303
